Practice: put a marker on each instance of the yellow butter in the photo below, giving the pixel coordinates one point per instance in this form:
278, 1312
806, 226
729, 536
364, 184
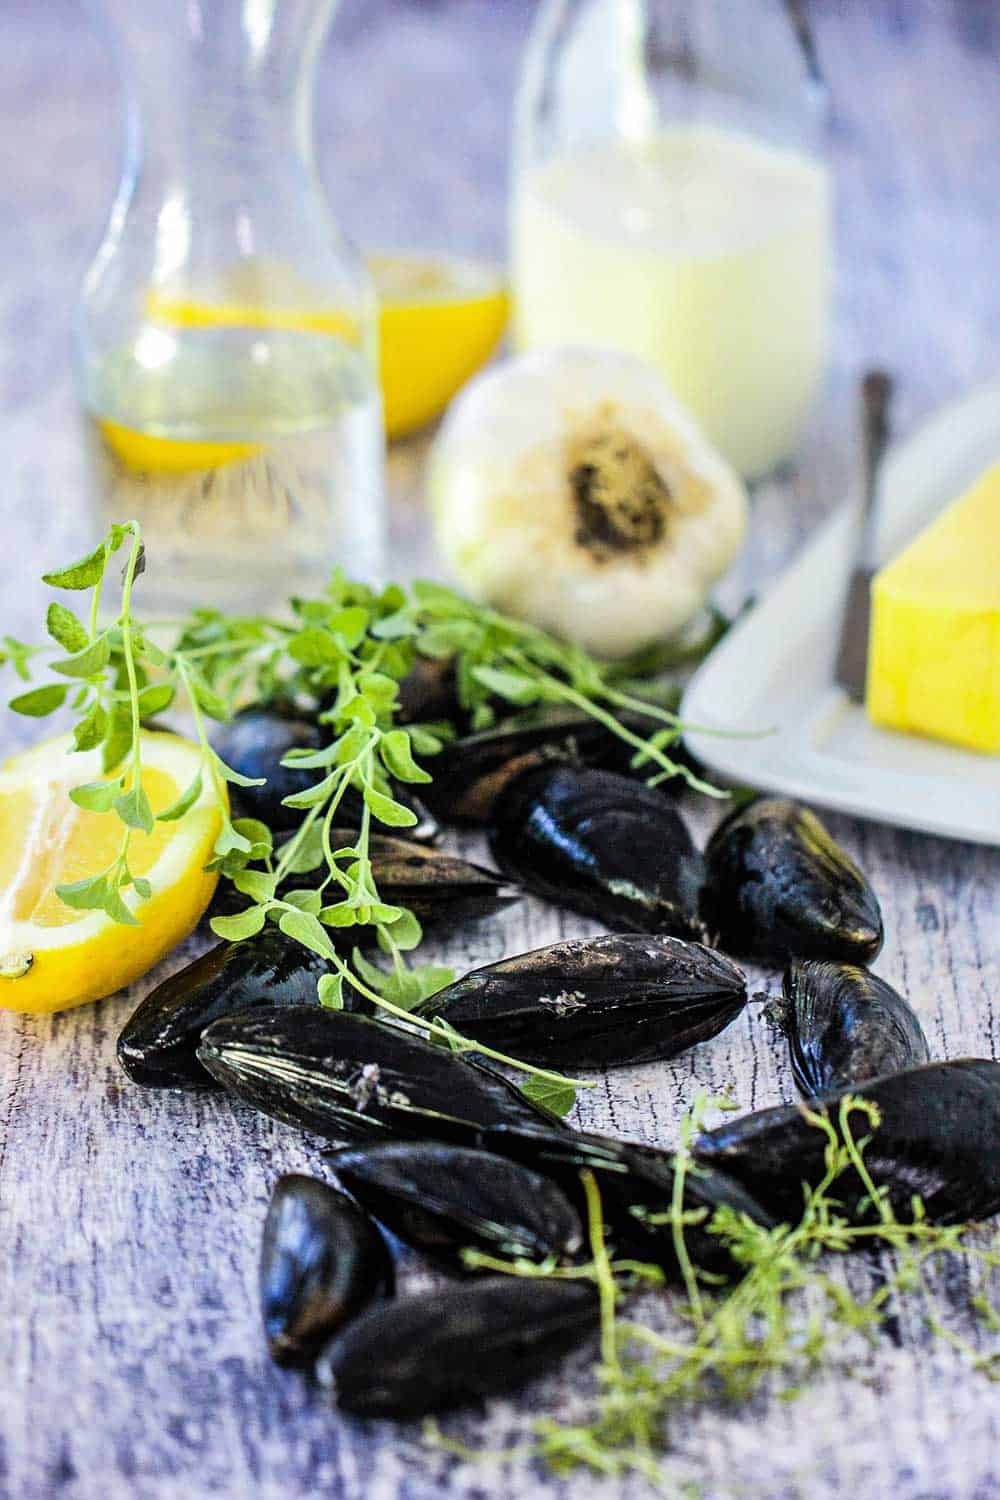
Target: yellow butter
934, 652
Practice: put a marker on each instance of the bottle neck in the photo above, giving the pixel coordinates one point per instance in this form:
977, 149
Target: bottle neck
218, 92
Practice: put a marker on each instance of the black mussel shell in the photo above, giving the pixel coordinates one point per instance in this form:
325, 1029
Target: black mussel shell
636, 1185
444, 1199
592, 1002
435, 885
846, 1025
429, 693
159, 1043
454, 1346
254, 743
322, 1260
937, 1139
349, 1078
778, 887
470, 772
602, 844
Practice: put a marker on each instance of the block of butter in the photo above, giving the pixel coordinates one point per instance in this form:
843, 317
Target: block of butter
934, 648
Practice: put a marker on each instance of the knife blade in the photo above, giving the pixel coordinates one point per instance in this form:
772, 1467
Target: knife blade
851, 666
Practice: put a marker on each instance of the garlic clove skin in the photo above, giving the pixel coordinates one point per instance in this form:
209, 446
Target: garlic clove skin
569, 487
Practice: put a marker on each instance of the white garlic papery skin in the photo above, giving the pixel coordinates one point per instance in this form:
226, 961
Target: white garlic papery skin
569, 487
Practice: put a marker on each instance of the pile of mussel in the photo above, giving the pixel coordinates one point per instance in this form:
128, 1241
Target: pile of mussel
444, 1152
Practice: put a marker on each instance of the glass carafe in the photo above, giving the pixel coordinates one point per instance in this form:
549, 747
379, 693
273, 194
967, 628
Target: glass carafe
226, 335
670, 197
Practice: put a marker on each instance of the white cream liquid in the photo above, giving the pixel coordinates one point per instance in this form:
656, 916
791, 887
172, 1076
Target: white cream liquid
701, 250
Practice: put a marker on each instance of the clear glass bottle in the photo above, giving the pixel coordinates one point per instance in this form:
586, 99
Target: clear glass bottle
670, 198
226, 332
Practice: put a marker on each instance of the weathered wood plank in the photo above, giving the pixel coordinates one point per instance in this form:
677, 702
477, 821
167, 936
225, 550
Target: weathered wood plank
129, 1221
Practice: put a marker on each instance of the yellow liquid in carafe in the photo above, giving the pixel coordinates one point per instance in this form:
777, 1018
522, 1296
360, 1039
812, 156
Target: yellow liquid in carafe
701, 250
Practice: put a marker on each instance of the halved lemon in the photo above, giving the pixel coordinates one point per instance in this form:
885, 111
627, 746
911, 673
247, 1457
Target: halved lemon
440, 319
53, 956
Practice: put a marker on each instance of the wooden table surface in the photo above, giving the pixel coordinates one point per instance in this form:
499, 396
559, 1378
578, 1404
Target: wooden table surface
131, 1353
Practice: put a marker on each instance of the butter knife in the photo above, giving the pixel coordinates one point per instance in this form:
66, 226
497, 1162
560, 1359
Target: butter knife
852, 656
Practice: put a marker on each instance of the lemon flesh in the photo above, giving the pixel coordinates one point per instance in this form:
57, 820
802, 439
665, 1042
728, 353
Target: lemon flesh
439, 321
53, 956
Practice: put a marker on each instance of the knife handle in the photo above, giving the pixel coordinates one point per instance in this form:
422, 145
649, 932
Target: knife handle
876, 402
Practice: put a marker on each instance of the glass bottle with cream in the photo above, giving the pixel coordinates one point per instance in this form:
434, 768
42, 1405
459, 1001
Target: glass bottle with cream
670, 198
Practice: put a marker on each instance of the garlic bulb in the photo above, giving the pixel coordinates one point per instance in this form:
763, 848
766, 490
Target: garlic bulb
570, 487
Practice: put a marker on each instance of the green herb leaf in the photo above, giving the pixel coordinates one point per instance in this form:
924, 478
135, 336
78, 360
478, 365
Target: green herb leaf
256, 883
89, 731
142, 887
557, 1097
206, 697
330, 991
394, 748
404, 931
308, 931
87, 663
19, 655
118, 739
244, 924
184, 802
134, 810
40, 701
80, 575
228, 774
313, 795
309, 901
308, 854
153, 700
97, 796
65, 629
344, 914
388, 811
513, 686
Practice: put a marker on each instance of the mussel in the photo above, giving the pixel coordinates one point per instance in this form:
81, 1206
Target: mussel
454, 1346
254, 743
846, 1025
159, 1042
603, 844
470, 772
779, 887
591, 1002
444, 1199
436, 886
636, 1185
936, 1139
322, 1261
349, 1078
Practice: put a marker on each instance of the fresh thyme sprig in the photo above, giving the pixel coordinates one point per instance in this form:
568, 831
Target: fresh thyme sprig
783, 1321
344, 653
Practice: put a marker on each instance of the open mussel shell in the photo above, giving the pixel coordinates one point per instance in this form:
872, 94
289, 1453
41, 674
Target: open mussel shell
636, 1185
603, 844
846, 1025
591, 1002
322, 1261
158, 1045
937, 1140
443, 1199
254, 743
470, 772
779, 887
349, 1078
455, 1345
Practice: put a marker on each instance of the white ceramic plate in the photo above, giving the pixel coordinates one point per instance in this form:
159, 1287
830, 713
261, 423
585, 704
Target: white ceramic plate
772, 676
